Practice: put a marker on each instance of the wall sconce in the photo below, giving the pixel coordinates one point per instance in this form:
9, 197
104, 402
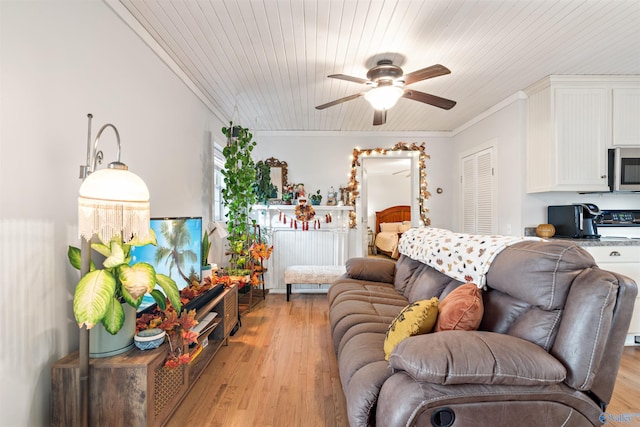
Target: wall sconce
112, 202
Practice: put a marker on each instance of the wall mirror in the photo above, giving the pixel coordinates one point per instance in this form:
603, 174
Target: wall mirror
402, 159
278, 174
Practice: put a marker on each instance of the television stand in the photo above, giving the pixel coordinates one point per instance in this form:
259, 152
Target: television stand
134, 388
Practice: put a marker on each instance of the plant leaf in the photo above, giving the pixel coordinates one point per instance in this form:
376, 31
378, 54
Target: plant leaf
101, 248
74, 256
114, 317
151, 240
160, 299
138, 279
92, 297
170, 289
117, 256
133, 302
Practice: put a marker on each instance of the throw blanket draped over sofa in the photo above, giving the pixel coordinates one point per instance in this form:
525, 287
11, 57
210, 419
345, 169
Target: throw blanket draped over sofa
546, 351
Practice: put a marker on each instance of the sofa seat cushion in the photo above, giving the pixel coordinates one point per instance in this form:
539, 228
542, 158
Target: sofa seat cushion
476, 357
344, 286
361, 309
362, 375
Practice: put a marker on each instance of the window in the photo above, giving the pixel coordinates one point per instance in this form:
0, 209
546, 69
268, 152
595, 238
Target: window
218, 183
478, 192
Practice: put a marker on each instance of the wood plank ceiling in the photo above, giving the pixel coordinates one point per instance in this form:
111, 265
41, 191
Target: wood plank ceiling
265, 63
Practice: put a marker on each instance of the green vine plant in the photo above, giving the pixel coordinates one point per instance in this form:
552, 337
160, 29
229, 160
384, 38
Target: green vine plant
263, 187
238, 196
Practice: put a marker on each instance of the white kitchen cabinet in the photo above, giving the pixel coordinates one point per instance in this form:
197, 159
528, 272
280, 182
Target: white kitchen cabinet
623, 260
571, 123
626, 116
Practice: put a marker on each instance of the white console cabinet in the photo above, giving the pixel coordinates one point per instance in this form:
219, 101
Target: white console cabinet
624, 260
571, 122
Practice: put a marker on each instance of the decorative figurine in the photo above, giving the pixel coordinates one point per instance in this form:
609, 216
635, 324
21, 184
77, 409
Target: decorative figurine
331, 197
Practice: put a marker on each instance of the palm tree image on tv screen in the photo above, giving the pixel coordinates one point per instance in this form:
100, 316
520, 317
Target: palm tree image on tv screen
177, 254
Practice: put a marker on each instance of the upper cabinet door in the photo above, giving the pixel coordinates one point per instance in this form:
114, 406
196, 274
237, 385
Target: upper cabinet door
583, 128
572, 121
626, 116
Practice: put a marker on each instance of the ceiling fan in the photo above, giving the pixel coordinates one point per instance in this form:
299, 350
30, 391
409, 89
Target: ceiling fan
388, 83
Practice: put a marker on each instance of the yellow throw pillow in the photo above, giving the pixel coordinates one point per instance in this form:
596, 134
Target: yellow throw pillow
415, 319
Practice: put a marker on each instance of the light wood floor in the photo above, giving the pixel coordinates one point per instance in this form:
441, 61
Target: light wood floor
280, 370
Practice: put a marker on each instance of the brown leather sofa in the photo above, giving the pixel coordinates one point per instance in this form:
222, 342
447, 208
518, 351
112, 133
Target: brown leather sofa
546, 353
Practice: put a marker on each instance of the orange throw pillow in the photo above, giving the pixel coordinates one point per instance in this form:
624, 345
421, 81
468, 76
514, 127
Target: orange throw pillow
462, 309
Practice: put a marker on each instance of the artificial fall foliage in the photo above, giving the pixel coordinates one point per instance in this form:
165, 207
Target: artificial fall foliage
178, 330
180, 336
260, 251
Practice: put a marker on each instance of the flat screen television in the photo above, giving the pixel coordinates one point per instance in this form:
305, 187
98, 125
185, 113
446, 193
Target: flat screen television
178, 253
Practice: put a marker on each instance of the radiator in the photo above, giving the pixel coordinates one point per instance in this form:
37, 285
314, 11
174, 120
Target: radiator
326, 246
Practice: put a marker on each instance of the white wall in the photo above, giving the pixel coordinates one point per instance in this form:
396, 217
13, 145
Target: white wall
503, 128
322, 159
386, 191
59, 61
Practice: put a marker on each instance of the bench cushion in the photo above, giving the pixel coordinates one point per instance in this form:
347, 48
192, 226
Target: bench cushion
320, 274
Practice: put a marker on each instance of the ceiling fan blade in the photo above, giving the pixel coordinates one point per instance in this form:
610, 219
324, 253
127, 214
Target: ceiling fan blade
339, 101
349, 78
436, 101
425, 73
379, 117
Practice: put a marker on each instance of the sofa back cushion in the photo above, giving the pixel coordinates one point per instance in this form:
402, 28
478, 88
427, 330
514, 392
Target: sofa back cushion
417, 281
528, 285
371, 269
538, 273
554, 295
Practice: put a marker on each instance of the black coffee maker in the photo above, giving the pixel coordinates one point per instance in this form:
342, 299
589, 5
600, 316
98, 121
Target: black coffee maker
577, 221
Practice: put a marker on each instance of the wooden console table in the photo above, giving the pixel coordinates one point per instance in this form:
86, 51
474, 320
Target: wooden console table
133, 388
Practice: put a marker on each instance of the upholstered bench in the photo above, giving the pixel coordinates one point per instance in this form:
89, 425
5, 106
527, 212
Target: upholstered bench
312, 274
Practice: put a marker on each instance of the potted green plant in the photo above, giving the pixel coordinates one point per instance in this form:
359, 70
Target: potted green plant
263, 187
287, 194
100, 294
316, 198
238, 196
205, 267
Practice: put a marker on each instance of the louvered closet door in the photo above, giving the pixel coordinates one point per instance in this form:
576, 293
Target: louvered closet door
478, 193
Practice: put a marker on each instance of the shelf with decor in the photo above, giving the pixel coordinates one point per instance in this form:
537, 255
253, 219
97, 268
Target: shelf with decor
135, 388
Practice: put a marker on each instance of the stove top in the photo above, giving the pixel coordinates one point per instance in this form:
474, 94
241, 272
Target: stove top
618, 218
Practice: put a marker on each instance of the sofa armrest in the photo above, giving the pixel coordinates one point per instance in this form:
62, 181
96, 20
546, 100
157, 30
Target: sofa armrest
476, 357
371, 269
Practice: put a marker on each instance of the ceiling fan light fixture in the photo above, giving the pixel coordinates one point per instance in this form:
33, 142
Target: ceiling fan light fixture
384, 97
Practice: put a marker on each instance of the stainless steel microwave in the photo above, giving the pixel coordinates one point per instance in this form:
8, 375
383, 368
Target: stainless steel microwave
624, 169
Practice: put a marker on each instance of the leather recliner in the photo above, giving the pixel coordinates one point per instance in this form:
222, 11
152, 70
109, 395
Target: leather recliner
546, 353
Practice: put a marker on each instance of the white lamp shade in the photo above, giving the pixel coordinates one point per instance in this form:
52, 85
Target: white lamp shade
113, 202
383, 97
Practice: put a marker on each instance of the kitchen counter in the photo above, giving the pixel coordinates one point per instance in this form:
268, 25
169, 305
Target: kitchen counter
603, 241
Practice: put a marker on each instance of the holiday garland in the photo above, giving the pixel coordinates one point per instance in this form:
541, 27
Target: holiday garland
304, 214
